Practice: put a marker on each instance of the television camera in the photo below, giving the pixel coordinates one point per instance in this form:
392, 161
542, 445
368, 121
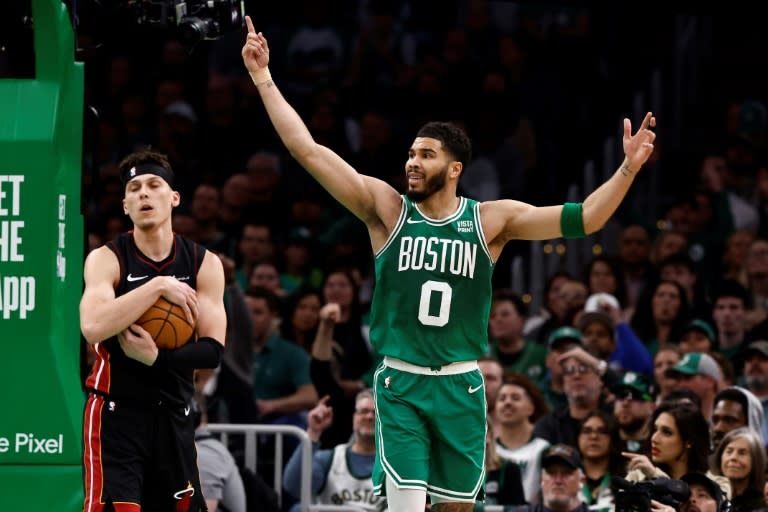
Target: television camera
637, 496
194, 20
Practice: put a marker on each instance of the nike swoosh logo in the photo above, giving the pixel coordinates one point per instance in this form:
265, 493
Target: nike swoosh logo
411, 221
186, 411
472, 390
137, 278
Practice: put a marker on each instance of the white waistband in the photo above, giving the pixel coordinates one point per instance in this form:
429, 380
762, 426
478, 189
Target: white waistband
449, 369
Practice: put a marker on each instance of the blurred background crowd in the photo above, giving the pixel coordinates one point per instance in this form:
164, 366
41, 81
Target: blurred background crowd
674, 297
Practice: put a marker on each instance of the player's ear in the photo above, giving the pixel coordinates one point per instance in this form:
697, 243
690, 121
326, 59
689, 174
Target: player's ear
176, 199
125, 208
456, 169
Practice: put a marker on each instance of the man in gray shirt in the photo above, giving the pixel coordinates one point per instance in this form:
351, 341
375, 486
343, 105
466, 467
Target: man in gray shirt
219, 476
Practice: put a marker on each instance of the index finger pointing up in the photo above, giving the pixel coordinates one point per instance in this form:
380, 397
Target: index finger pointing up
647, 121
249, 24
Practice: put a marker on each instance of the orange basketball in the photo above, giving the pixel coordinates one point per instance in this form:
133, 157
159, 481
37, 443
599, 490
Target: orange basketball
167, 324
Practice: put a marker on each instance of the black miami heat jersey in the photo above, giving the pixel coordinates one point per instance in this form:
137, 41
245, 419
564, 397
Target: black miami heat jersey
114, 373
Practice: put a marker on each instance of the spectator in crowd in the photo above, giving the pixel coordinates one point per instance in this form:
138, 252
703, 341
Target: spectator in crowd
302, 315
324, 370
756, 376
755, 278
266, 378
735, 407
706, 495
660, 316
553, 307
633, 407
493, 377
666, 358
741, 458
351, 350
698, 336
518, 405
679, 444
571, 295
560, 341
255, 244
701, 374
341, 475
298, 267
667, 243
507, 344
603, 275
562, 476
735, 252
503, 478
634, 248
600, 449
583, 390
266, 275
681, 269
220, 478
608, 337
731, 303
205, 211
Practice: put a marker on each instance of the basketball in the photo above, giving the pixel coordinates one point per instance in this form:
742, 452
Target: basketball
167, 324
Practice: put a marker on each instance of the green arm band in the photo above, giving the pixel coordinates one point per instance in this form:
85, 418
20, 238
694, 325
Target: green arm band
571, 221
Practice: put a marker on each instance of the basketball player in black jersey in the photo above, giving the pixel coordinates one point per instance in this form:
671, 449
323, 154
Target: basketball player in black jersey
138, 439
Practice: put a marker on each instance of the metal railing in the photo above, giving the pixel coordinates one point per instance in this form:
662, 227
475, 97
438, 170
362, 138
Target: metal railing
250, 434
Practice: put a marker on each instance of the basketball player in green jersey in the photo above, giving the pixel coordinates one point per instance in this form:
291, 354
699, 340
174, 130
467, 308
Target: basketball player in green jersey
434, 254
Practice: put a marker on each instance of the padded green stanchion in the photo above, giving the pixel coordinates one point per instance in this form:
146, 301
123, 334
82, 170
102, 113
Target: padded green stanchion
41, 258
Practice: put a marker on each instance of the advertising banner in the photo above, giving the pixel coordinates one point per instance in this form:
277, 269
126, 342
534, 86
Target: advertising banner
41, 258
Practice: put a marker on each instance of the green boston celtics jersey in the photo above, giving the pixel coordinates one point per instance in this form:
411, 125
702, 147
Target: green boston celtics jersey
433, 288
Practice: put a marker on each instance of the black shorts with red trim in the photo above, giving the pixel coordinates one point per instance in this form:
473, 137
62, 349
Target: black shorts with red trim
139, 457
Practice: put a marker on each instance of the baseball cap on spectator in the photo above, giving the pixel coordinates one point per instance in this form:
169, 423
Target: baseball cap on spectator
596, 309
757, 347
697, 324
563, 334
710, 485
636, 385
599, 317
563, 454
181, 109
696, 363
600, 301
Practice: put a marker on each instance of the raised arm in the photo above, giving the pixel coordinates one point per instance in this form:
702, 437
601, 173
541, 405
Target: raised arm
371, 200
603, 202
102, 315
506, 219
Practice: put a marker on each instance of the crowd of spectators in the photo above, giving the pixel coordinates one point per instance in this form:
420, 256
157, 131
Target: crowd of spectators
644, 365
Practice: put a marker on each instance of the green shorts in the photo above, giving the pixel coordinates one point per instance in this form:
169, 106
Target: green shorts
430, 429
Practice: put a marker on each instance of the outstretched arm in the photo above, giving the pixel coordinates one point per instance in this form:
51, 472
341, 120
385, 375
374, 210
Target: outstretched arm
506, 219
369, 199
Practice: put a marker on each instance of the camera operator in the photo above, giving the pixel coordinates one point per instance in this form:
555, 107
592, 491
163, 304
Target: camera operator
706, 495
